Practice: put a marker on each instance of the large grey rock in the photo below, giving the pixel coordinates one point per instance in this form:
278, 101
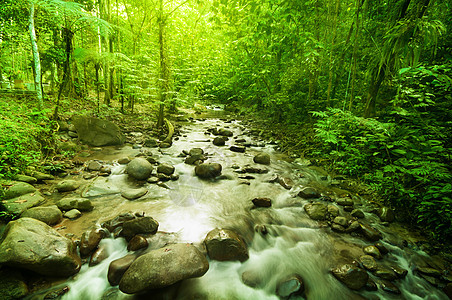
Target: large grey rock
18, 189
72, 214
118, 267
316, 211
370, 233
48, 214
25, 178
81, 204
163, 267
208, 170
67, 185
133, 194
352, 276
225, 245
90, 240
96, 132
20, 204
139, 168
12, 285
31, 244
368, 262
309, 193
42, 176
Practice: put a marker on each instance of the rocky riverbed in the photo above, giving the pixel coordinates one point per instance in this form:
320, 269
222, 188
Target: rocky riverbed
219, 214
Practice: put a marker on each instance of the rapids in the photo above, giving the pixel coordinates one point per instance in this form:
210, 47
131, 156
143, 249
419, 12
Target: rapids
191, 207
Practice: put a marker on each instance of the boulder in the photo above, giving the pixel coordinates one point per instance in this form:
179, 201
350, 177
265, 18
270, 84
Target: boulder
386, 214
163, 267
25, 178
225, 132
389, 287
123, 161
345, 201
252, 278
67, 185
262, 202
385, 272
262, 158
353, 277
341, 221
368, 262
118, 267
18, 189
316, 211
42, 176
333, 211
96, 132
20, 204
166, 169
94, 165
370, 233
137, 242
33, 245
132, 194
99, 255
208, 170
219, 141
225, 245
195, 152
139, 225
237, 148
90, 240
290, 286
139, 168
69, 203
48, 214
309, 193
357, 213
12, 285
372, 251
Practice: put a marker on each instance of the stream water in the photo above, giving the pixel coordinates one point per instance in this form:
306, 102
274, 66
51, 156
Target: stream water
191, 207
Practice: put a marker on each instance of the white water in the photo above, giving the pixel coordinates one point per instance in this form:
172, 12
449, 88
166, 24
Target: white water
192, 207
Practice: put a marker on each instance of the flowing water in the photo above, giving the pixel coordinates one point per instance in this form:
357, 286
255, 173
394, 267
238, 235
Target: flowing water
191, 207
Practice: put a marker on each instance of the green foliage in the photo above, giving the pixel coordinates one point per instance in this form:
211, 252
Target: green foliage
25, 137
405, 155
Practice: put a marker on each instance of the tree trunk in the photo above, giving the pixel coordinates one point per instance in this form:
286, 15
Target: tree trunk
376, 81
36, 60
164, 72
330, 71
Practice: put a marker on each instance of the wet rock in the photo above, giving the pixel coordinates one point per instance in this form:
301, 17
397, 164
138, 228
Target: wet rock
253, 170
382, 248
370, 233
352, 276
373, 251
166, 169
338, 228
225, 132
219, 141
386, 214
262, 158
139, 225
163, 177
33, 245
286, 183
81, 204
25, 178
195, 152
333, 211
139, 168
137, 242
389, 287
151, 143
20, 204
48, 214
163, 267
385, 272
153, 179
72, 134
123, 161
72, 214
225, 245
262, 202
401, 273
18, 189
368, 262
341, 221
195, 159
12, 285
67, 185
237, 148
90, 240
94, 165
208, 170
99, 256
118, 267
262, 229
357, 213
354, 226
133, 194
42, 176
348, 208
96, 132
371, 285
316, 211
174, 177
309, 193
344, 201
252, 278
290, 287
429, 271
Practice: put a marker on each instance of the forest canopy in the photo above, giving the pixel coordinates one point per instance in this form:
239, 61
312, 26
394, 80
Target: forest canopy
372, 78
